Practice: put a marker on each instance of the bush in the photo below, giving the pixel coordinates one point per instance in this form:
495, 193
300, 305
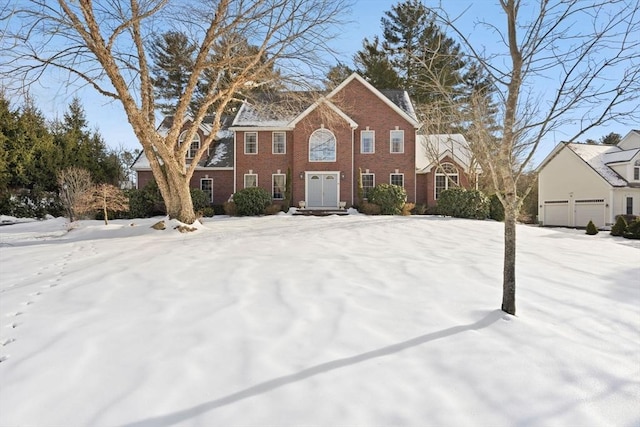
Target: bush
272, 209
207, 212
230, 208
496, 210
633, 230
251, 201
620, 227
200, 200
34, 203
591, 229
408, 208
419, 209
390, 198
370, 208
462, 203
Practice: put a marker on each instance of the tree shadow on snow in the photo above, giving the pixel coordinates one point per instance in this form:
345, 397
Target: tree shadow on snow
267, 386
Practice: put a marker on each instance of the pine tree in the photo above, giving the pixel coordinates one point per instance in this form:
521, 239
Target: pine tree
420, 50
592, 230
172, 55
373, 63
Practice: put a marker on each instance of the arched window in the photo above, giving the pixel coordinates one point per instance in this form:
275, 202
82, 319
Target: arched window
322, 146
195, 144
446, 177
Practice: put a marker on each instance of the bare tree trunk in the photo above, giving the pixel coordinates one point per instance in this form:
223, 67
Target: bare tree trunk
509, 265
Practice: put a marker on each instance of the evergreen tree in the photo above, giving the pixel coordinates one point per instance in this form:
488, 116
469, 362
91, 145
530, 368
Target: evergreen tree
373, 63
610, 139
336, 75
173, 57
420, 51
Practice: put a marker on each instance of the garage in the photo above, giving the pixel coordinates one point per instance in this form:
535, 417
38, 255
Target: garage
556, 212
589, 210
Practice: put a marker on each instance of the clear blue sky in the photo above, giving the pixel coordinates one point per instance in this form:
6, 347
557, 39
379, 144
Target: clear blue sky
108, 117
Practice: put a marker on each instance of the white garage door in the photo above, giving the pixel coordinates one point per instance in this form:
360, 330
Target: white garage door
556, 212
589, 210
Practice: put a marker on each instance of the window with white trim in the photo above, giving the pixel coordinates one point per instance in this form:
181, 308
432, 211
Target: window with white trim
251, 143
322, 146
279, 142
195, 144
250, 180
206, 185
397, 141
278, 182
446, 177
629, 205
368, 182
367, 142
397, 179
636, 170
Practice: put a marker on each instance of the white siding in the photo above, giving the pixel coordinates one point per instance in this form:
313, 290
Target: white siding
567, 177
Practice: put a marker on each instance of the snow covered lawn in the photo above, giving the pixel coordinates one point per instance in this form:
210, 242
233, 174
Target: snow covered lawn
290, 321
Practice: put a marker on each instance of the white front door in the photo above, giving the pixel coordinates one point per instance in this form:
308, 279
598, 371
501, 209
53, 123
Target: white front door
322, 190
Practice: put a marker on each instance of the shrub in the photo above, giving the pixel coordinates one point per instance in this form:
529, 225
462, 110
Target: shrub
370, 208
251, 201
200, 199
230, 208
390, 198
633, 230
419, 209
496, 210
207, 212
592, 230
272, 209
408, 208
462, 203
620, 227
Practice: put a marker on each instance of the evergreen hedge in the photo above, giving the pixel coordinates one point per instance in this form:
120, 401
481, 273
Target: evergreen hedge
462, 203
592, 230
390, 198
251, 201
620, 227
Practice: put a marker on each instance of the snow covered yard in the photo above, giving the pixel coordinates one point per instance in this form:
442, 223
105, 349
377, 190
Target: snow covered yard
289, 321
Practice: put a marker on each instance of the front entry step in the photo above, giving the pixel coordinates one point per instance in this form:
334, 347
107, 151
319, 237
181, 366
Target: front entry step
321, 212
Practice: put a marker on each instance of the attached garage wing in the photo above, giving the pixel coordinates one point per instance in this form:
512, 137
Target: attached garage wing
589, 210
556, 212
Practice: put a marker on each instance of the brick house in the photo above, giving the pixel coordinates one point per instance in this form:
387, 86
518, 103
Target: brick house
324, 142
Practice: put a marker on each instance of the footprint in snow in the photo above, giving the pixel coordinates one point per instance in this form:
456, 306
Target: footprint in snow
35, 294
7, 341
3, 358
14, 314
12, 325
27, 303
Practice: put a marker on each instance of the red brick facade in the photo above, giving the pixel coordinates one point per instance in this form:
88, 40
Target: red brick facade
352, 108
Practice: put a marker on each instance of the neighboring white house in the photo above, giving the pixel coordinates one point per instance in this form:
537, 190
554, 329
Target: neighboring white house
578, 183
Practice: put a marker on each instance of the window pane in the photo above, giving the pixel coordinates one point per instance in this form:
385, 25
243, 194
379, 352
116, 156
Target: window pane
251, 143
397, 179
206, 185
279, 145
367, 141
367, 184
250, 180
278, 186
195, 144
397, 141
322, 146
441, 183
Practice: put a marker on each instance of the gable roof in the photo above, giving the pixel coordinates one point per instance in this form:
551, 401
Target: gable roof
432, 149
594, 156
220, 153
397, 99
286, 109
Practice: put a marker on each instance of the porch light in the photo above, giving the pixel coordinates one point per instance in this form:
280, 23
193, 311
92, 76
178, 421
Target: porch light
301, 175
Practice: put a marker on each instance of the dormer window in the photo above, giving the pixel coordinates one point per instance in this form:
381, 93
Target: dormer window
195, 144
